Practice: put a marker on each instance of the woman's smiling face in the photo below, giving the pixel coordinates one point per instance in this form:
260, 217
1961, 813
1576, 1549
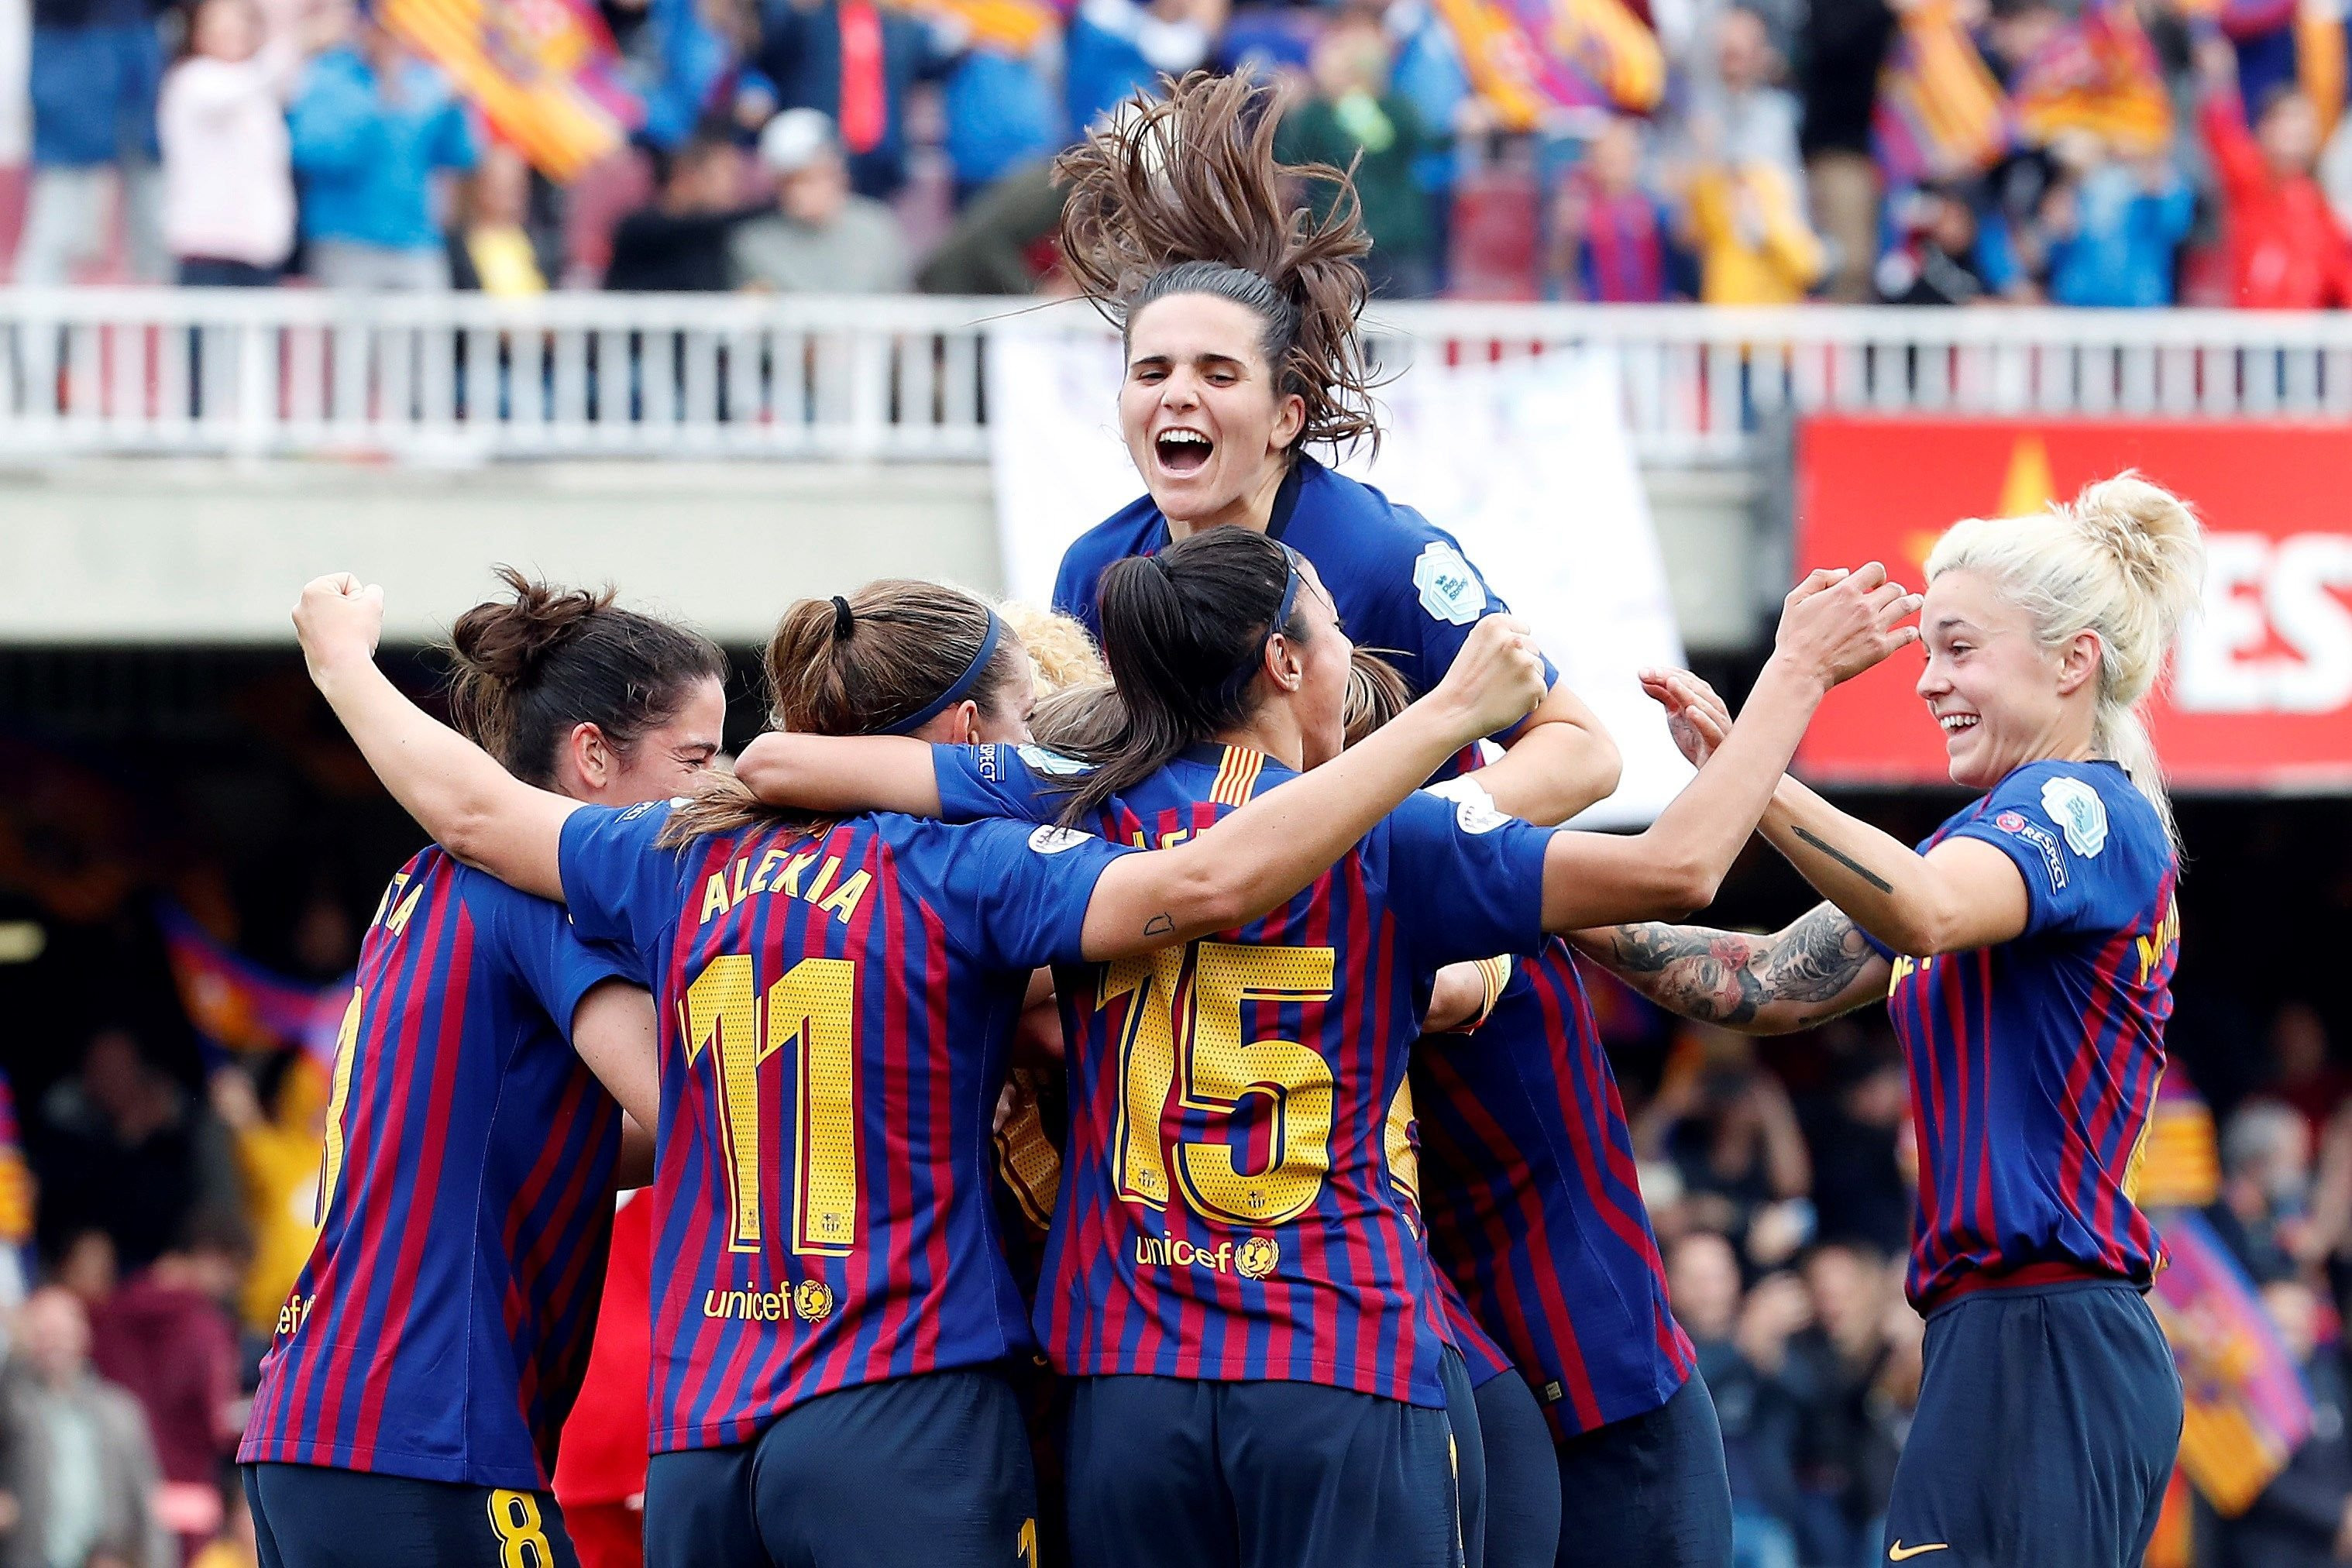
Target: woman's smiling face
1201, 410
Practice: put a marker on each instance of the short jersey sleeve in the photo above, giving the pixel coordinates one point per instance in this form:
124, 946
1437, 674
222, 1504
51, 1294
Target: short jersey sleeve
555, 966
1445, 597
1029, 783
2089, 847
621, 886
1464, 880
1016, 893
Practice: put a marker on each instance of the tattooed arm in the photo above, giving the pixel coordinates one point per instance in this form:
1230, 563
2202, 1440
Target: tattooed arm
1816, 969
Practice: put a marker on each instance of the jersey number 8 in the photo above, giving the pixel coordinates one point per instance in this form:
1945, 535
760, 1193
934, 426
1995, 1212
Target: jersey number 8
812, 1007
1184, 1037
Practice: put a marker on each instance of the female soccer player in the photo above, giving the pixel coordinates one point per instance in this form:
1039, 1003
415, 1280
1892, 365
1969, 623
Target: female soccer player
423, 1367
2025, 951
1524, 1171
836, 1000
1242, 347
1230, 1278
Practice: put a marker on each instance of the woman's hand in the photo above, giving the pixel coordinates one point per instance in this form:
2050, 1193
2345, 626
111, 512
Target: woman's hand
1836, 623
1696, 717
339, 622
1496, 679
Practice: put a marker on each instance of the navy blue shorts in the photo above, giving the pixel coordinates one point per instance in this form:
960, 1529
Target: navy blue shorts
1469, 1456
2049, 1418
1649, 1491
1194, 1474
308, 1516
1522, 1476
916, 1471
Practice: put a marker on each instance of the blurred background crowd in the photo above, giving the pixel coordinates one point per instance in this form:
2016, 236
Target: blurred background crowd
2097, 153
181, 905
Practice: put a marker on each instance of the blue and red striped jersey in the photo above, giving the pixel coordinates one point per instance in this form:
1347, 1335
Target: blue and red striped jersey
1225, 1209
1400, 584
1449, 1315
837, 1005
1534, 1208
2034, 1063
441, 1327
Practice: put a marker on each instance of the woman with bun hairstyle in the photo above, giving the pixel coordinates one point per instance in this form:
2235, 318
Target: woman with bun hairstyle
2025, 952
834, 1311
1231, 1283
1238, 314
423, 1367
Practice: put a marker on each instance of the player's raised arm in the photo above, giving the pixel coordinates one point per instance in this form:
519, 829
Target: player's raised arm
1271, 848
457, 792
1834, 627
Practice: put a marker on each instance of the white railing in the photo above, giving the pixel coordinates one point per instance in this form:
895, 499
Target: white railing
464, 378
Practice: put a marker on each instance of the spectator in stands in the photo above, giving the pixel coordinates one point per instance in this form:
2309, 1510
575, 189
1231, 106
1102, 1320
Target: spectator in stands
1121, 48
278, 1159
1728, 1126
680, 242
822, 238
1854, 1138
1747, 224
1741, 1347
79, 1463
2304, 1518
166, 1338
372, 127
1002, 113
854, 62
1736, 104
120, 1148
1353, 116
2304, 1072
2114, 226
498, 252
228, 183
1609, 235
1003, 242
2263, 1208
1429, 73
1834, 1362
2286, 252
1938, 260
96, 69
1844, 43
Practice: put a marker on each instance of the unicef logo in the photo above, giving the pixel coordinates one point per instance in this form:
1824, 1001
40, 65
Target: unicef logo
812, 1300
1257, 1257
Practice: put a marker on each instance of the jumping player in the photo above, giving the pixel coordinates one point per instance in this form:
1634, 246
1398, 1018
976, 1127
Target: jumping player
833, 1305
1230, 1278
1239, 321
2026, 952
410, 1403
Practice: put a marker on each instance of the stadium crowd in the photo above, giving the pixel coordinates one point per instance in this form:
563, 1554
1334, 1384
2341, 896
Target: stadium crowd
1926, 152
162, 1209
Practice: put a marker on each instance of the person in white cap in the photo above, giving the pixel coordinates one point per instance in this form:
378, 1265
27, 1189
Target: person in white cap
822, 239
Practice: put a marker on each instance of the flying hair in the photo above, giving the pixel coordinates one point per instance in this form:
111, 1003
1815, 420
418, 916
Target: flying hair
2124, 559
1182, 196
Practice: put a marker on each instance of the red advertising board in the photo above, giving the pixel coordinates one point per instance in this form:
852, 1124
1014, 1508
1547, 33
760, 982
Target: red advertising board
2261, 696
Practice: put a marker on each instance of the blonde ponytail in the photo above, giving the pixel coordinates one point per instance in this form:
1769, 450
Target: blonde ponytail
2125, 559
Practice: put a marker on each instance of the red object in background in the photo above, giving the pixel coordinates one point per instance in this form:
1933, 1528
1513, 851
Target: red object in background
2261, 695
1495, 237
600, 1467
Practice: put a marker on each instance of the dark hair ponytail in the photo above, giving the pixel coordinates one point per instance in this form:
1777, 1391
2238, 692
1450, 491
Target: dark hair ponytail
1184, 196
1184, 633
530, 668
876, 662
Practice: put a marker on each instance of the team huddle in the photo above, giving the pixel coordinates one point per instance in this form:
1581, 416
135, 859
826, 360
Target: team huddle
1118, 1086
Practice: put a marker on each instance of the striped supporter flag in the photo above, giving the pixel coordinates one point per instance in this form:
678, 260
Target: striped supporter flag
1529, 59
543, 72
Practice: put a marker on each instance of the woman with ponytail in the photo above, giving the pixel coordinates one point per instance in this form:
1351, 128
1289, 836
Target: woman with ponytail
834, 1315
424, 1363
2025, 951
1232, 1281
1239, 317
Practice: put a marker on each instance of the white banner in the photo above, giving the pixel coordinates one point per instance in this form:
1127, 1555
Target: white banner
1526, 463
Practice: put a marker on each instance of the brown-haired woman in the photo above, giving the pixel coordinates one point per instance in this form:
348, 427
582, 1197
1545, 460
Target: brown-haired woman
409, 1405
836, 999
1238, 315
1232, 1283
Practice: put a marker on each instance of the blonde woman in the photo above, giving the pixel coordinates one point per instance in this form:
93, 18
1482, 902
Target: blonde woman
2025, 951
